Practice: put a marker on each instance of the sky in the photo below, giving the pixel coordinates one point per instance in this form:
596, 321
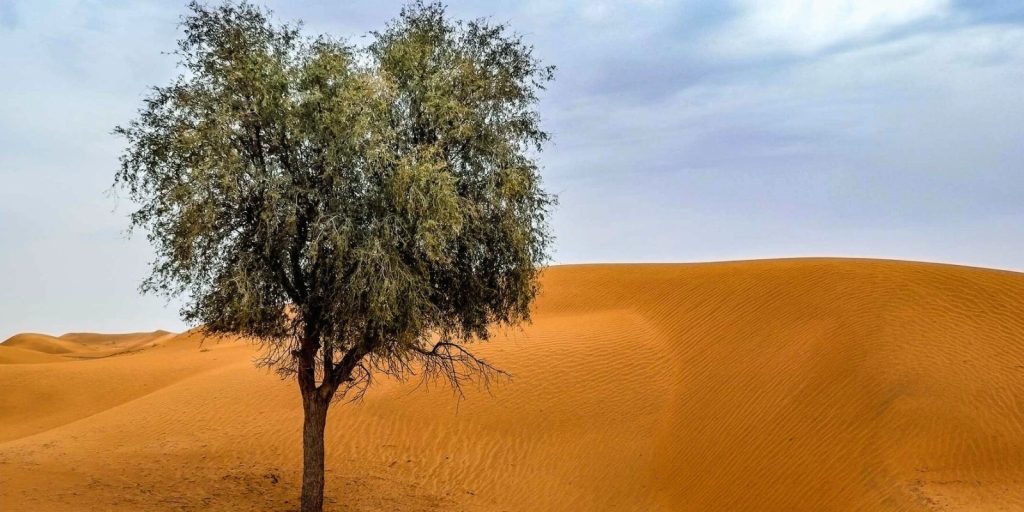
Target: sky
682, 131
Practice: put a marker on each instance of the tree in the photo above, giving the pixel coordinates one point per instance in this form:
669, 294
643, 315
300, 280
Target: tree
355, 211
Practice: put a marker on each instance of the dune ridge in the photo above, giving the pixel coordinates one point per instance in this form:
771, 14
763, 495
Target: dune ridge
803, 384
43, 343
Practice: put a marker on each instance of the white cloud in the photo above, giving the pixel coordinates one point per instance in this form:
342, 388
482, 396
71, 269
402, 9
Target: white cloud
808, 26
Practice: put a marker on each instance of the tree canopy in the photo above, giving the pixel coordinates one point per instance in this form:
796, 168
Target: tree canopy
356, 210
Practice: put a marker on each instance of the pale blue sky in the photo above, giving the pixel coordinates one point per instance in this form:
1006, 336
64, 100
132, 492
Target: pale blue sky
683, 131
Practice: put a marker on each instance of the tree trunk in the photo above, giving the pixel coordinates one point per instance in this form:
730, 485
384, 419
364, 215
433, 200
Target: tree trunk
315, 418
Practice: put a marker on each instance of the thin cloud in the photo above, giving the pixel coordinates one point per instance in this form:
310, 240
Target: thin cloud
805, 27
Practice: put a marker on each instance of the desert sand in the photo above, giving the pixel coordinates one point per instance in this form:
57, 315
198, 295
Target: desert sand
781, 385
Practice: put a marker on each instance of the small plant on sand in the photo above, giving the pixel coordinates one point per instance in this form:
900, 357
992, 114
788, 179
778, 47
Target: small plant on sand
356, 211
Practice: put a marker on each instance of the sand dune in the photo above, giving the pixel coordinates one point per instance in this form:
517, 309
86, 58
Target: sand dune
785, 385
126, 340
78, 345
44, 343
16, 355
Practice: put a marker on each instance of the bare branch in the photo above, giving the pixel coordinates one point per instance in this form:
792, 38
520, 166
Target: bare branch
457, 365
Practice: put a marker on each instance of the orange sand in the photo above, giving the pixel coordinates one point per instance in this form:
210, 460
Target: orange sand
782, 385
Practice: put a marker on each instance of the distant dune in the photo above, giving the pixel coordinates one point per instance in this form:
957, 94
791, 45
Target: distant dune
43, 343
782, 385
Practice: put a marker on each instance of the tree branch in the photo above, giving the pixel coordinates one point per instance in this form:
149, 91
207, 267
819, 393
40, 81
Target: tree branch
457, 365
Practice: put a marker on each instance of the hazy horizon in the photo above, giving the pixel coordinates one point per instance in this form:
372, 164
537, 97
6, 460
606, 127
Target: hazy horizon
682, 131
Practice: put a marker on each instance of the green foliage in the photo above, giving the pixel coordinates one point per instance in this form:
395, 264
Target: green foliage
356, 210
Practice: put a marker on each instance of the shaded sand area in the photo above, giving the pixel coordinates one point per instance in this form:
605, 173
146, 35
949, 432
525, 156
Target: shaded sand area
785, 385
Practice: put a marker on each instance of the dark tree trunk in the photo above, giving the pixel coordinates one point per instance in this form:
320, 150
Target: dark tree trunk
315, 418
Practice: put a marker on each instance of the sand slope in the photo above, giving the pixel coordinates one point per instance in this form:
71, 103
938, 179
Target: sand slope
810, 384
43, 343
16, 355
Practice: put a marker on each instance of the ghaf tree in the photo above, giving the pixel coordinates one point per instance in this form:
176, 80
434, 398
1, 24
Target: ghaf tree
356, 211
